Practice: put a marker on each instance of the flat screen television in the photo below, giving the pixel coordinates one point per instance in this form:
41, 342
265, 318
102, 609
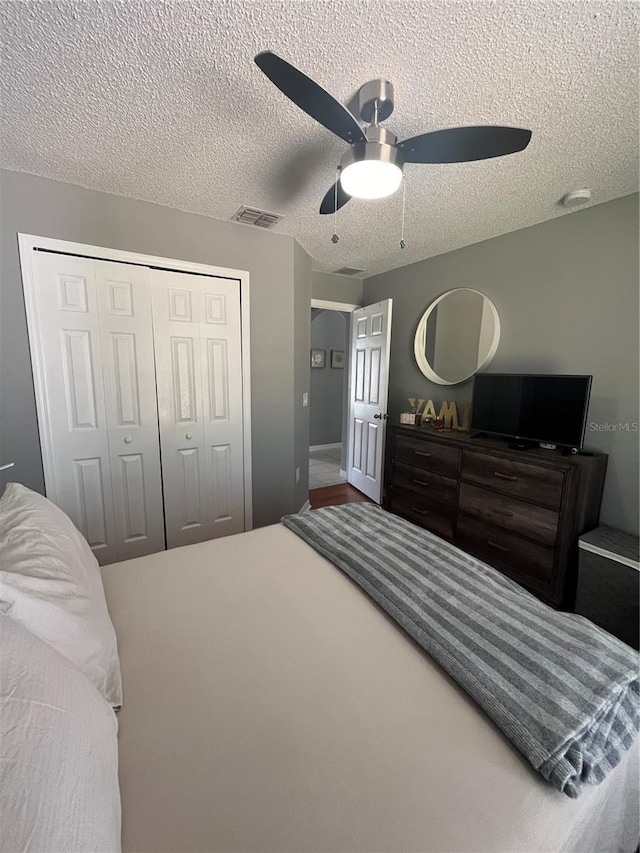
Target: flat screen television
531, 409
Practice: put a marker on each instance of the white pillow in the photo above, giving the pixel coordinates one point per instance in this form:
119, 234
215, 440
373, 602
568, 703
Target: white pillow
58, 752
50, 582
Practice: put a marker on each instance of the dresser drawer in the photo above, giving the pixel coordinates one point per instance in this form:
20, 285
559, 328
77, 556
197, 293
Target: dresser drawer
426, 483
520, 479
505, 549
534, 522
425, 513
422, 453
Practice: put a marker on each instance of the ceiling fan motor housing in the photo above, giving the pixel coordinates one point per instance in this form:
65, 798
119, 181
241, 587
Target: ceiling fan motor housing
375, 95
380, 151
380, 145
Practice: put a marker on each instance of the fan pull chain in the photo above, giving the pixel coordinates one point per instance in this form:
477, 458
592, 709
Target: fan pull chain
403, 244
335, 237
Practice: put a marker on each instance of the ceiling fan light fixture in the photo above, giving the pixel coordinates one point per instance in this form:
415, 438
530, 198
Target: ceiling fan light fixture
371, 170
383, 175
371, 179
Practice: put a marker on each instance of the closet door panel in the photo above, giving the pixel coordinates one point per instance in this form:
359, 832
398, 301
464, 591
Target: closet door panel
72, 415
179, 384
124, 302
198, 365
222, 390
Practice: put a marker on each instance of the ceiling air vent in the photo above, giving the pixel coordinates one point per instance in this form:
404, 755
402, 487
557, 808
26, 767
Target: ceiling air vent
252, 216
347, 271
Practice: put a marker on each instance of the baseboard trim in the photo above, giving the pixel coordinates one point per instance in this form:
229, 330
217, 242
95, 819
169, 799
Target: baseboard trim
316, 447
306, 506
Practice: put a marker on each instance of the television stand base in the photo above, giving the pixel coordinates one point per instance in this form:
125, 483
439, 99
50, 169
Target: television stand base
522, 445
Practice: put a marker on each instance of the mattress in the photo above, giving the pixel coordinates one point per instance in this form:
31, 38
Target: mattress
270, 705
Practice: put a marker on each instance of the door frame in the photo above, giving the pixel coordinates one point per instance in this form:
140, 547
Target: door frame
326, 305
28, 243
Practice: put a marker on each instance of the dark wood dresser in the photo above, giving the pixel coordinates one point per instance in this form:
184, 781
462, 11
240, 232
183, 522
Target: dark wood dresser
521, 511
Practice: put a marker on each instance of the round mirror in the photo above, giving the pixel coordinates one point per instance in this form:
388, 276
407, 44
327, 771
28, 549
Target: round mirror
457, 335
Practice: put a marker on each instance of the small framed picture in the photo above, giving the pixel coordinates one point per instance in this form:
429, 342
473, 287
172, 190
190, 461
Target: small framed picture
318, 357
412, 418
337, 358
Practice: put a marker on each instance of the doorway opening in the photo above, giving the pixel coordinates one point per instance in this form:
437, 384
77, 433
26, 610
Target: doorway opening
328, 396
361, 421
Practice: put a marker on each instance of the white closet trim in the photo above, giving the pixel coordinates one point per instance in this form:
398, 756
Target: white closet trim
27, 243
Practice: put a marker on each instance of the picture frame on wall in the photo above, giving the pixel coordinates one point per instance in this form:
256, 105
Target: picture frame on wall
318, 357
337, 358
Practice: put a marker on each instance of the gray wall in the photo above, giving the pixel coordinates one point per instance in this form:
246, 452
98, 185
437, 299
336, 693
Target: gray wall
336, 288
328, 331
280, 286
567, 295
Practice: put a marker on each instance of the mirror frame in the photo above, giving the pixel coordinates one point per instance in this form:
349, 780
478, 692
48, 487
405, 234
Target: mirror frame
421, 334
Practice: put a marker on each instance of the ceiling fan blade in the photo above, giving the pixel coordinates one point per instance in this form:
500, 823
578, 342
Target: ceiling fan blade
310, 97
461, 144
329, 201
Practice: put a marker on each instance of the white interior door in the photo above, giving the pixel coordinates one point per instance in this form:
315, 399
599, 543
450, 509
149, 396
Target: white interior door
197, 335
92, 339
368, 392
126, 329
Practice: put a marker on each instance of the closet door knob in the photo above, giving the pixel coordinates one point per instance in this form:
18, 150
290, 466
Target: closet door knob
188, 436
127, 439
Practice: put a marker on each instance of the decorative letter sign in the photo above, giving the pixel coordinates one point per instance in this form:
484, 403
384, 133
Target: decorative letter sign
452, 415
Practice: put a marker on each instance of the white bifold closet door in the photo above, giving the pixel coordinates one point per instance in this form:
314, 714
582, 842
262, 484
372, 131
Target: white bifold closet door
99, 421
198, 345
140, 402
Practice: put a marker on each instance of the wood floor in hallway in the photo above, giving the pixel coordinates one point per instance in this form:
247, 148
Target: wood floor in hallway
336, 495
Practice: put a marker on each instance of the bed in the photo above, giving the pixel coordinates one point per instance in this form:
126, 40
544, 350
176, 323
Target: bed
270, 705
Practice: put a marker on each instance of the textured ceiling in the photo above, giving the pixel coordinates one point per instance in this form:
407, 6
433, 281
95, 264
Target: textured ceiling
162, 102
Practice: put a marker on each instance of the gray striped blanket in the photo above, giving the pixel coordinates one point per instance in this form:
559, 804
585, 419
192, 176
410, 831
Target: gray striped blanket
563, 691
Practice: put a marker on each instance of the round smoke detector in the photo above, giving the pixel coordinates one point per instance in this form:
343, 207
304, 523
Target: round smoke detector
576, 197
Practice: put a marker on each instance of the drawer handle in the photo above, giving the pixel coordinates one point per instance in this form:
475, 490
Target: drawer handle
420, 482
504, 476
420, 511
421, 453
499, 547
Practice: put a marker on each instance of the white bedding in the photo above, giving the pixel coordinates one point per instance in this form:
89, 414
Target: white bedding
58, 752
50, 583
269, 705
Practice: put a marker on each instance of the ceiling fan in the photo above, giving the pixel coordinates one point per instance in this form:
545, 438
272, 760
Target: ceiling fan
372, 165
